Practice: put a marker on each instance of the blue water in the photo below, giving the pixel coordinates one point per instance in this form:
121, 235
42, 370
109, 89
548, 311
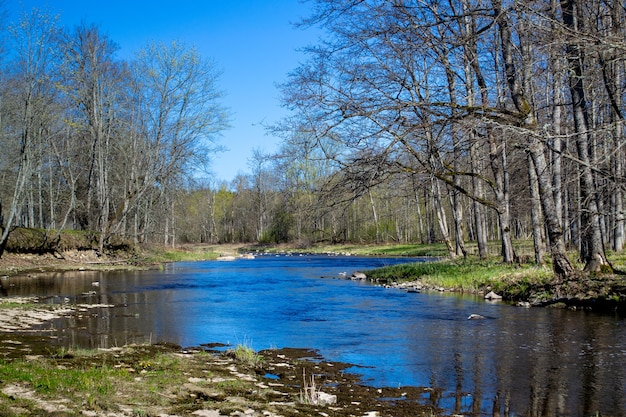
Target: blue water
540, 361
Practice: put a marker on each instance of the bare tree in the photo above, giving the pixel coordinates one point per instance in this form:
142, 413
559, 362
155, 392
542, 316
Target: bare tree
28, 99
379, 87
561, 265
92, 80
592, 249
174, 123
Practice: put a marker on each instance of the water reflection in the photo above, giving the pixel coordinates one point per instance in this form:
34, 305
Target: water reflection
532, 362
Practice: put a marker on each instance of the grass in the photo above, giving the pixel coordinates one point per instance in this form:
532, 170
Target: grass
522, 247
49, 379
246, 356
434, 250
191, 253
90, 378
513, 281
18, 304
463, 274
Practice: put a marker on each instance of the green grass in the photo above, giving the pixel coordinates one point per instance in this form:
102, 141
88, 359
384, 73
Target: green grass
47, 379
435, 250
11, 304
522, 247
247, 356
467, 275
87, 377
181, 255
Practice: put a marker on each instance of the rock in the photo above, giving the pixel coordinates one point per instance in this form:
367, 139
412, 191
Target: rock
207, 413
226, 258
492, 296
326, 399
524, 304
358, 276
475, 317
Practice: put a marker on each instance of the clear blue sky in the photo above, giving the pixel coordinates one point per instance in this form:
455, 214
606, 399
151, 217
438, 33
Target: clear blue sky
253, 43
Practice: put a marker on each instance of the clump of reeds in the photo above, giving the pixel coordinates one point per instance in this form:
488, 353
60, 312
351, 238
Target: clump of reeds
309, 393
247, 356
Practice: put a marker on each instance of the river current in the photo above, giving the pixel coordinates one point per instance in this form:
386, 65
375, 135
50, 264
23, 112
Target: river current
531, 362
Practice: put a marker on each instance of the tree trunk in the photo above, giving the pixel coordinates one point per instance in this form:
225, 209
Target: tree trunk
592, 253
613, 75
374, 216
557, 148
457, 214
560, 264
473, 72
618, 197
497, 151
441, 217
457, 208
22, 175
498, 159
536, 214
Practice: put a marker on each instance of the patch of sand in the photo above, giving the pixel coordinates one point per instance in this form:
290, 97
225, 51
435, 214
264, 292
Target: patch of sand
23, 392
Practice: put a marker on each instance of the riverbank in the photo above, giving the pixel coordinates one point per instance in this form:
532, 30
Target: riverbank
90, 260
164, 380
525, 284
37, 378
522, 282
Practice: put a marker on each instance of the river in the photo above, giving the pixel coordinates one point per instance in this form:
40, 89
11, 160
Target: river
532, 362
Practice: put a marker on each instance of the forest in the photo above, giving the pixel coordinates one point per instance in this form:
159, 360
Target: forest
415, 121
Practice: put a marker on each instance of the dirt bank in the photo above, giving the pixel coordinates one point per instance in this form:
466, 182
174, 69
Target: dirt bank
15, 264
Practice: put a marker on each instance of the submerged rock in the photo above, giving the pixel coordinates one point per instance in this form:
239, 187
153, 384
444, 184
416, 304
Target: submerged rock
492, 296
358, 276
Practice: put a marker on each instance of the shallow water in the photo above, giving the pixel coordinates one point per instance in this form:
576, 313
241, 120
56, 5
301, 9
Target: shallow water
536, 362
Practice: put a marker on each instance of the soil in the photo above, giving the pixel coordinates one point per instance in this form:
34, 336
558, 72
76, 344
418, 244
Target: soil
25, 263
